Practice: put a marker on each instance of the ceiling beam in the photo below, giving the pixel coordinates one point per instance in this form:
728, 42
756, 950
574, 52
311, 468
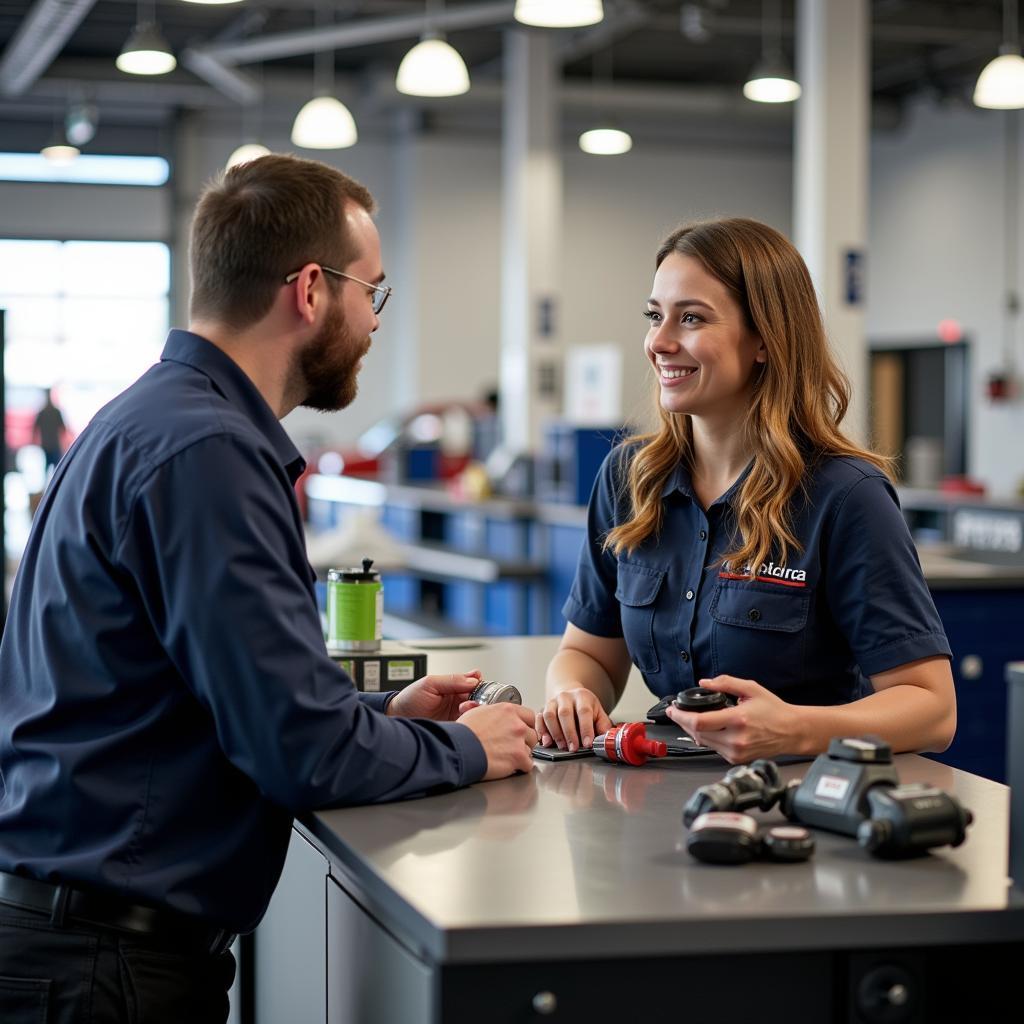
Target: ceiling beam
365, 32
39, 38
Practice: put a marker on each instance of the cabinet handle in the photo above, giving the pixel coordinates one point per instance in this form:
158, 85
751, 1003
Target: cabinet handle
971, 666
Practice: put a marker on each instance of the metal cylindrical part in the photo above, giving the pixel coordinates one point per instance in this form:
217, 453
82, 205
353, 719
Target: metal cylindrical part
490, 692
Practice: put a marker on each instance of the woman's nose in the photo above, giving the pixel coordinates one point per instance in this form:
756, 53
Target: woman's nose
663, 339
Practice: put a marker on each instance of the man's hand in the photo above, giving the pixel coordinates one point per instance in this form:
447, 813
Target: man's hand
760, 725
572, 719
442, 698
506, 732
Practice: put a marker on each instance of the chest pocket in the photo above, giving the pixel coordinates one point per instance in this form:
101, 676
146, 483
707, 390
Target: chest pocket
636, 590
759, 632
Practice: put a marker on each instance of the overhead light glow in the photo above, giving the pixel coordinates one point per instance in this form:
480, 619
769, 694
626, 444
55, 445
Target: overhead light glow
432, 68
146, 53
559, 13
324, 123
60, 153
606, 141
771, 83
213, 3
246, 152
1000, 85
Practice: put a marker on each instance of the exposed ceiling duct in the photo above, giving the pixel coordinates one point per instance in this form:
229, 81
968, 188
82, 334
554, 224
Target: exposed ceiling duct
39, 38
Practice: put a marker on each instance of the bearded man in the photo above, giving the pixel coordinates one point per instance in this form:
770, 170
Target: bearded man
168, 703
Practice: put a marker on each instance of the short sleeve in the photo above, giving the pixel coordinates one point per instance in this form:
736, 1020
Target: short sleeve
874, 584
591, 604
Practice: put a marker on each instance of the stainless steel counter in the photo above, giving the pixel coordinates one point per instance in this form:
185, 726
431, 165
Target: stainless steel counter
586, 859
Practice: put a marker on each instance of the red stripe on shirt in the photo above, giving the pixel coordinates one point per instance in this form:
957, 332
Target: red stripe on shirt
760, 579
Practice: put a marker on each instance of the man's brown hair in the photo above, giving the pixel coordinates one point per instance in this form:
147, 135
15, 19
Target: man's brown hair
256, 223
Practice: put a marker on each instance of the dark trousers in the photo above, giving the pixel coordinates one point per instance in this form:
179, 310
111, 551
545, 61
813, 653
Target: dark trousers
92, 975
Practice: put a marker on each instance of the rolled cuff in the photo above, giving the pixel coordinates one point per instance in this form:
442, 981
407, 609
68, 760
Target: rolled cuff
590, 621
900, 652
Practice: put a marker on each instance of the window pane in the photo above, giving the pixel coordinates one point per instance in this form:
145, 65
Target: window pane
88, 169
117, 268
29, 268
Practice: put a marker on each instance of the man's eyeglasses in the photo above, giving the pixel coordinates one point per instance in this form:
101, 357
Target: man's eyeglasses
380, 291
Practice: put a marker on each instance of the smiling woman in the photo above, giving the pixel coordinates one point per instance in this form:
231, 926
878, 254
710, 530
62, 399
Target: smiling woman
747, 545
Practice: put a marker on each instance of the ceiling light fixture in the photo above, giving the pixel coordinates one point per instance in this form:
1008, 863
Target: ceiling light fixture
252, 117
213, 3
247, 150
606, 141
559, 13
60, 153
146, 51
1000, 85
605, 138
324, 122
432, 68
772, 79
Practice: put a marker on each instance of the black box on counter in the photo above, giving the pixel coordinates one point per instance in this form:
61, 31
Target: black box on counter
391, 667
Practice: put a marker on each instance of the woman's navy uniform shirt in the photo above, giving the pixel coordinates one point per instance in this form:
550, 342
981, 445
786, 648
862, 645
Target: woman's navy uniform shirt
852, 603
167, 699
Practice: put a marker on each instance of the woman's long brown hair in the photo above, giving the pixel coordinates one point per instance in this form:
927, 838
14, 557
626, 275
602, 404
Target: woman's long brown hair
796, 405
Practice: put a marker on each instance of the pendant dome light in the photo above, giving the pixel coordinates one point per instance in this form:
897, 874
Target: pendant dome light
559, 13
432, 67
605, 138
1000, 85
324, 122
146, 51
250, 149
772, 79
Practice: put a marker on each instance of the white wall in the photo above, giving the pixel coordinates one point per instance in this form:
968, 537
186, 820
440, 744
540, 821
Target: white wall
937, 236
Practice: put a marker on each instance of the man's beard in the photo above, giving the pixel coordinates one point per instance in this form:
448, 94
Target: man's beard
329, 364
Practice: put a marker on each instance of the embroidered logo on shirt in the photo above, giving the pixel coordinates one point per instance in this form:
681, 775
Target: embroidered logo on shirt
768, 573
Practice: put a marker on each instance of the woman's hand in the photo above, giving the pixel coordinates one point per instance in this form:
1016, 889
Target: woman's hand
571, 719
442, 698
760, 725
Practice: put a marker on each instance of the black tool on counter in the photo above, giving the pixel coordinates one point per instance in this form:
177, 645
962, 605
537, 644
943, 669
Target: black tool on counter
852, 789
743, 787
910, 819
728, 837
834, 793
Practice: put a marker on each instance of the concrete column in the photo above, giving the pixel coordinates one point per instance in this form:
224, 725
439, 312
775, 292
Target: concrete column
831, 168
531, 350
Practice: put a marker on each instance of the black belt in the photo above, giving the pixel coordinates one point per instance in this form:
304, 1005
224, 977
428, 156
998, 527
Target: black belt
61, 903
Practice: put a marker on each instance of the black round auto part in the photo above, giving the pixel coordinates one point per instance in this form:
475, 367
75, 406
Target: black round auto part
787, 843
700, 698
724, 837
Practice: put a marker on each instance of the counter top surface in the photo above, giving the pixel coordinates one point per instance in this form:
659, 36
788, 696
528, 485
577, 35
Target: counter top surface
586, 858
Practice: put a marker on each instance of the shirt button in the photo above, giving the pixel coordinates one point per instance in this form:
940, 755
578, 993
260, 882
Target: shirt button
754, 615
684, 655
703, 534
689, 595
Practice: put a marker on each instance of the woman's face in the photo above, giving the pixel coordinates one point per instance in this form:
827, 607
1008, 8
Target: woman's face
701, 349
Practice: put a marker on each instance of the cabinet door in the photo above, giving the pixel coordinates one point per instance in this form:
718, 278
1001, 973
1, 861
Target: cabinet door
371, 978
984, 631
290, 956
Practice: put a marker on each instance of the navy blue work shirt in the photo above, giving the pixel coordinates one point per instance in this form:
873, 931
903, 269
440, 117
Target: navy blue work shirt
168, 703
852, 603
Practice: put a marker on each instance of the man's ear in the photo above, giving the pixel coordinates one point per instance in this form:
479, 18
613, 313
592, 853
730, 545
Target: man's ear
308, 292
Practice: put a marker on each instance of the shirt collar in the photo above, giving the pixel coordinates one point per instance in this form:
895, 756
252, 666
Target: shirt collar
230, 380
680, 480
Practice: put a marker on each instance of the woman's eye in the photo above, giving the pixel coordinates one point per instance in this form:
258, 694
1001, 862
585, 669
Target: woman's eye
689, 318
653, 316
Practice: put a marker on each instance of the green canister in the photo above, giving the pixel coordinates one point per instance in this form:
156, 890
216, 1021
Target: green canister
355, 608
